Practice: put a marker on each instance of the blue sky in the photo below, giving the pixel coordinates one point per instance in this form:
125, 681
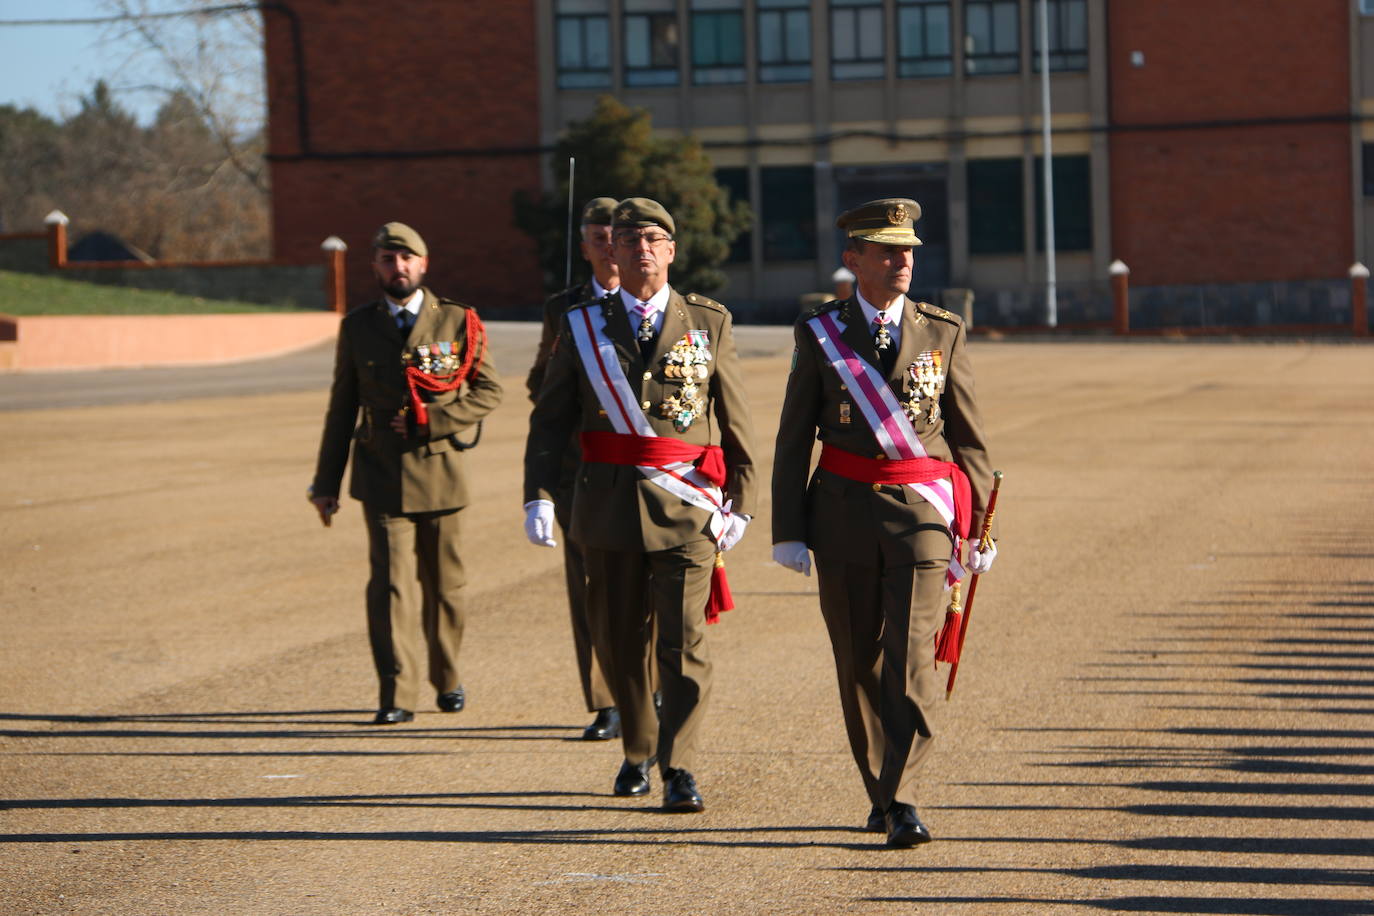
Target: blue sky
50, 67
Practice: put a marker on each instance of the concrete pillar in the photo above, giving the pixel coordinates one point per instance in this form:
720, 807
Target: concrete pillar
56, 221
335, 287
1359, 303
1121, 296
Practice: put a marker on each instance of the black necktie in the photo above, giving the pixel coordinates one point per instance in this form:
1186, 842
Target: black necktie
404, 319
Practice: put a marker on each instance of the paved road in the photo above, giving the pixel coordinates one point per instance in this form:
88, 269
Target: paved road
512, 343
1166, 707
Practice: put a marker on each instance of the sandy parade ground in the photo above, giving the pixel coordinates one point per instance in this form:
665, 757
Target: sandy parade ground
1166, 705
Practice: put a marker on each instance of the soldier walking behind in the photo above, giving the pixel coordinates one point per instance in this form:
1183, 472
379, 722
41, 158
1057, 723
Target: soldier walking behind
596, 250
397, 361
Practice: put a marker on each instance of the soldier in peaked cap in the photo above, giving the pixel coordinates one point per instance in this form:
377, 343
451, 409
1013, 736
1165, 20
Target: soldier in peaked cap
886, 384
408, 470
605, 278
666, 483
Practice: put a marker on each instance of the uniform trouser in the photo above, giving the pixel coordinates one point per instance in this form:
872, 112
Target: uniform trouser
629, 594
882, 622
595, 690
414, 602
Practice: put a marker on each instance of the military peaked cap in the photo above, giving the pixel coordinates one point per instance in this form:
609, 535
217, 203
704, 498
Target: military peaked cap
890, 221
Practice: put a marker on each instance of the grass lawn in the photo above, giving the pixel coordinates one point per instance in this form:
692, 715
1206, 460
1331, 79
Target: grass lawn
34, 294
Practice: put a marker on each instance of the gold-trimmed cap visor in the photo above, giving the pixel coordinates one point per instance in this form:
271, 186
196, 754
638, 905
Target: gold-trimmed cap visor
890, 221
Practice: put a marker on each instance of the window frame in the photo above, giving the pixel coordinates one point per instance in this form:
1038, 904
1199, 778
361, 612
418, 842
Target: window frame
592, 77
1063, 58
993, 62
655, 74
857, 66
794, 65
909, 65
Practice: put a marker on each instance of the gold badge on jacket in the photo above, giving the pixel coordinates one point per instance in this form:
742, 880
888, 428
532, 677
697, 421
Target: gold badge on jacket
924, 379
687, 360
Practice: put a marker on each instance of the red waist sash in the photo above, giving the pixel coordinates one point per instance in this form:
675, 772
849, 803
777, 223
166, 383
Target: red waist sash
902, 471
652, 451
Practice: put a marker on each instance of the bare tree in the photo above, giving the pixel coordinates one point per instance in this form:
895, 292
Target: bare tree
208, 53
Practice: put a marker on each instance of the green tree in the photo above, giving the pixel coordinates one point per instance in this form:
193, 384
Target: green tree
618, 156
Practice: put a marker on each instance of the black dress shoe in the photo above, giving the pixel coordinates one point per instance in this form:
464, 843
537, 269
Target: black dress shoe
633, 778
680, 792
876, 822
605, 727
453, 700
904, 828
392, 716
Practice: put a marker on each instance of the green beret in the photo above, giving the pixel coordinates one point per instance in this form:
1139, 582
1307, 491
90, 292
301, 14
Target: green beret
638, 212
399, 236
598, 211
890, 221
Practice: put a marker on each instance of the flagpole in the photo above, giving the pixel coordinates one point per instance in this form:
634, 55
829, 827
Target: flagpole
1051, 303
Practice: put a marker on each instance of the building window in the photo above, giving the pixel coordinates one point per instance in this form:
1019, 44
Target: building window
1073, 206
583, 35
992, 36
1367, 7
717, 41
651, 40
784, 41
1068, 25
856, 40
788, 212
994, 207
923, 38
735, 181
1367, 165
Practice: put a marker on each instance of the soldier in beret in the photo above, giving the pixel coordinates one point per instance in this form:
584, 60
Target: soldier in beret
596, 250
408, 475
886, 384
666, 484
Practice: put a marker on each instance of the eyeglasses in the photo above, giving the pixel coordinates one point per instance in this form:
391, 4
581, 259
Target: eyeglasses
633, 239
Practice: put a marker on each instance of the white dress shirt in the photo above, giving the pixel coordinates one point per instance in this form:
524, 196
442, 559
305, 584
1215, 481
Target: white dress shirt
893, 313
659, 300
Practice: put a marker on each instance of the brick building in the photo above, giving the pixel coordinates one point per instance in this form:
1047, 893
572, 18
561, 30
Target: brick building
1200, 141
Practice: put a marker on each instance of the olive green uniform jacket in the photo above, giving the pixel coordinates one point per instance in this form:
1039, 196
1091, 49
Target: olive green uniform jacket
817, 406
614, 507
391, 473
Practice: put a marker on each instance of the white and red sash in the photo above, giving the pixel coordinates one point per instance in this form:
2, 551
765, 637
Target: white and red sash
680, 478
887, 420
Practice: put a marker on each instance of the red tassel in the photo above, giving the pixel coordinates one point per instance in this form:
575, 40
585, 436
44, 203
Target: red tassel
417, 407
720, 599
947, 642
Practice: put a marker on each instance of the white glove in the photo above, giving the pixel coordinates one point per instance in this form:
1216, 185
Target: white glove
980, 561
734, 530
539, 523
793, 555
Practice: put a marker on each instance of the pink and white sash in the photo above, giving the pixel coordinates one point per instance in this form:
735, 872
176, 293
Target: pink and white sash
886, 419
618, 400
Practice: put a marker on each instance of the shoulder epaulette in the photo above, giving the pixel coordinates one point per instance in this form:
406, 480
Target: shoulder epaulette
936, 312
586, 302
440, 300
821, 309
699, 299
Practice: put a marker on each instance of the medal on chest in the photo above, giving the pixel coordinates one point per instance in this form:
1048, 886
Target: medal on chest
922, 382
686, 361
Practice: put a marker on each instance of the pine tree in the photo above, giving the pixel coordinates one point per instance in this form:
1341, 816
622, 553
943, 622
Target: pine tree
618, 156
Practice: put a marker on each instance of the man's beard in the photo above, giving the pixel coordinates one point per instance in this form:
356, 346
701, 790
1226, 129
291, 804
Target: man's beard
400, 289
